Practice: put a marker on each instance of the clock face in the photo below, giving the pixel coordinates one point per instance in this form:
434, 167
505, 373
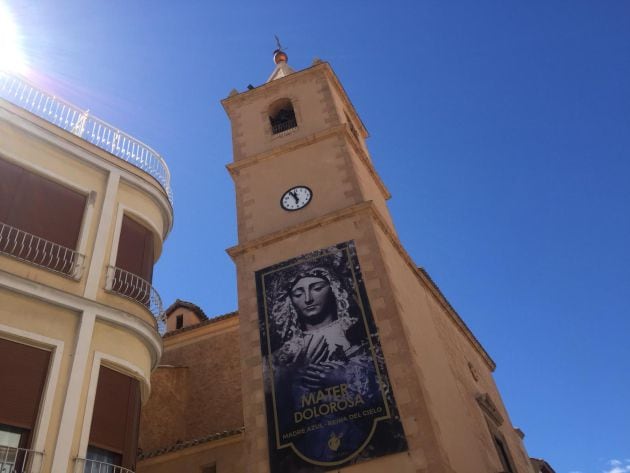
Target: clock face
296, 198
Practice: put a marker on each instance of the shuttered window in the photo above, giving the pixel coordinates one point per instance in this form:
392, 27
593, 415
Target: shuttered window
40, 206
116, 416
23, 372
135, 249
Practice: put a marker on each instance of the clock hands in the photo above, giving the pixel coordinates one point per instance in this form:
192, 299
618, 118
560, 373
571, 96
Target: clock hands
294, 198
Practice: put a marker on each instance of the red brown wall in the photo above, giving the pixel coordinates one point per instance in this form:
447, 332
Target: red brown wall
197, 390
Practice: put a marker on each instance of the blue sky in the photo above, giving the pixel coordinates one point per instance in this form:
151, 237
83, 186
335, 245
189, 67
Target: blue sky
502, 130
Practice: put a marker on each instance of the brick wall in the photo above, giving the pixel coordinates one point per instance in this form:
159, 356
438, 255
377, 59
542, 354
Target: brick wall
197, 389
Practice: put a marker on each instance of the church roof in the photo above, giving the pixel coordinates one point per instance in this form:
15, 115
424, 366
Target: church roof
187, 305
191, 443
203, 323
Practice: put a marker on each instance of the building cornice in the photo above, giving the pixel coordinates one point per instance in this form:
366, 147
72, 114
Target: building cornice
262, 90
369, 208
91, 154
145, 331
299, 143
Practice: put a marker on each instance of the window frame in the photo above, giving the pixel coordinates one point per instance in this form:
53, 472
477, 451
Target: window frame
90, 195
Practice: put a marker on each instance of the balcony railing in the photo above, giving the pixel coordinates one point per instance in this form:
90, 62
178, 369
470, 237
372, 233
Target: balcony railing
83, 465
79, 122
132, 286
40, 252
20, 460
284, 126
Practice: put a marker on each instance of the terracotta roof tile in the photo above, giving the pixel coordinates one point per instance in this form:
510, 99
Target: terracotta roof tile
188, 305
203, 323
191, 443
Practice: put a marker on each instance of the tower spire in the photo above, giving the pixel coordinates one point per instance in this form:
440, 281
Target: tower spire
280, 58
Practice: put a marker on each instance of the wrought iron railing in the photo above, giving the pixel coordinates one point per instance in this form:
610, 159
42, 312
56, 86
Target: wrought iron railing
40, 252
83, 465
20, 460
79, 122
283, 126
132, 286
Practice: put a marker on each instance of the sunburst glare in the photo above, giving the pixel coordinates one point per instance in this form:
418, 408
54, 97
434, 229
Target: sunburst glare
12, 58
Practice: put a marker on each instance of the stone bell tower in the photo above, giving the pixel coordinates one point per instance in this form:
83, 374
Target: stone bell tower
308, 196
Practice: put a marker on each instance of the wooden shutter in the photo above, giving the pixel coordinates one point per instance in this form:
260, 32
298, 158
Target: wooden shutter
10, 177
23, 371
135, 249
116, 416
40, 206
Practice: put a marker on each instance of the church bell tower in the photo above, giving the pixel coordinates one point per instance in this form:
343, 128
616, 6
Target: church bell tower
351, 357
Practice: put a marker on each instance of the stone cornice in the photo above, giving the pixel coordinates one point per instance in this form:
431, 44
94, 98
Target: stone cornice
368, 207
90, 154
250, 95
489, 408
146, 332
296, 144
275, 237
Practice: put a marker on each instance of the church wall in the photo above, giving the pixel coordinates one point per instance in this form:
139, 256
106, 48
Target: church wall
226, 455
356, 227
369, 187
323, 158
163, 418
252, 118
201, 372
441, 354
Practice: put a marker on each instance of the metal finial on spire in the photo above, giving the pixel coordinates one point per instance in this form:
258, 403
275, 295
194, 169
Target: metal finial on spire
280, 48
279, 55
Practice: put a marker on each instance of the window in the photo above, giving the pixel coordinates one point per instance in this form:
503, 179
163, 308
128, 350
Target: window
179, 321
50, 212
282, 116
12, 439
115, 420
99, 460
135, 249
134, 262
26, 367
503, 454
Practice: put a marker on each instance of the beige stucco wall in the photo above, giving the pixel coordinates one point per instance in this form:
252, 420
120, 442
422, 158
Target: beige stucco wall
48, 160
39, 318
54, 307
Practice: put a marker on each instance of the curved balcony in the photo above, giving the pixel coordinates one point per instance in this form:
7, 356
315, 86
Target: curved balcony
133, 287
40, 252
20, 460
93, 130
83, 465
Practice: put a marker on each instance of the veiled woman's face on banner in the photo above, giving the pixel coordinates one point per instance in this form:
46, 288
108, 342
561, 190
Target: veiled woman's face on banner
312, 297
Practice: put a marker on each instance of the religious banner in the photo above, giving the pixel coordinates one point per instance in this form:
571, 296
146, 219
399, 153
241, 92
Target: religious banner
329, 400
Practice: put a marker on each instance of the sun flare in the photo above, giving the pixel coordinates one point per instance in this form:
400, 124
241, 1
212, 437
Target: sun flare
11, 57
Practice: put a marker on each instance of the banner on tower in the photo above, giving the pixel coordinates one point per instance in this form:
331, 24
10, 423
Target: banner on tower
329, 400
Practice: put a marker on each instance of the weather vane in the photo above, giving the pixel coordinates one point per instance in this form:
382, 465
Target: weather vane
280, 48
